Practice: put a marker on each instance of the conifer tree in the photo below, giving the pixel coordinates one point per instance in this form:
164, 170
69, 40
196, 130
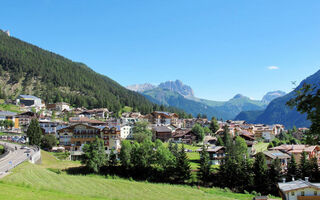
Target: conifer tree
204, 168
304, 166
292, 168
314, 170
214, 126
34, 133
260, 172
183, 170
274, 175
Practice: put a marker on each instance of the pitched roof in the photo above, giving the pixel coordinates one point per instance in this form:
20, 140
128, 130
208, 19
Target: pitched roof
276, 154
84, 120
297, 148
7, 113
28, 96
162, 129
295, 185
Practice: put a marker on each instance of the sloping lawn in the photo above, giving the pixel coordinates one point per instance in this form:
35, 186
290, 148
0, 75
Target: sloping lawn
30, 181
261, 146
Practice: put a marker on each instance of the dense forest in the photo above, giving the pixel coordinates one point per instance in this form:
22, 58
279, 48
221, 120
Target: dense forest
28, 69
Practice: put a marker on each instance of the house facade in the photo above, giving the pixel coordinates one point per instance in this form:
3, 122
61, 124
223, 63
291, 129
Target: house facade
299, 190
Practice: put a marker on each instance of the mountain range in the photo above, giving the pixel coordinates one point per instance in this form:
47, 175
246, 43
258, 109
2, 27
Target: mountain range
177, 94
277, 112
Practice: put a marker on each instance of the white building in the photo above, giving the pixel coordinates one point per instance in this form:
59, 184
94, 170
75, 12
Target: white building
30, 101
299, 190
126, 132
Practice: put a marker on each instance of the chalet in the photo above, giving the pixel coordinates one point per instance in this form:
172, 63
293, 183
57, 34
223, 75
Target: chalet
12, 116
216, 154
96, 113
25, 119
74, 137
51, 127
60, 106
189, 123
296, 150
275, 154
85, 120
162, 132
112, 138
185, 136
163, 118
263, 131
209, 140
299, 190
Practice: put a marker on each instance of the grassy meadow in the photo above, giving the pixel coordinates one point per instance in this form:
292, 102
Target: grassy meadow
29, 181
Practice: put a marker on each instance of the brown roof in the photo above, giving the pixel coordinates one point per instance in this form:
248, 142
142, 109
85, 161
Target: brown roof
84, 120
162, 129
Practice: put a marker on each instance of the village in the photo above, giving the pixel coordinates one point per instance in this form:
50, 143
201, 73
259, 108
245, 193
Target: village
75, 127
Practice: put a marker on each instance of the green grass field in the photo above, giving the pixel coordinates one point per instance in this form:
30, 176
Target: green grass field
10, 107
30, 181
261, 146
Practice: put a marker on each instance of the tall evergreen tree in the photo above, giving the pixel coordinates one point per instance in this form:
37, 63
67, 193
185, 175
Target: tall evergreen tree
314, 170
183, 170
204, 168
304, 166
227, 140
34, 133
214, 126
260, 172
274, 175
292, 168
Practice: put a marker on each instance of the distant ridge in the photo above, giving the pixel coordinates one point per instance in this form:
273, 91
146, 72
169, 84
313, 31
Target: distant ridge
177, 94
277, 112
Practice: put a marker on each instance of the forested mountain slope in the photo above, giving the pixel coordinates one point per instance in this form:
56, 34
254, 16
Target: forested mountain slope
27, 69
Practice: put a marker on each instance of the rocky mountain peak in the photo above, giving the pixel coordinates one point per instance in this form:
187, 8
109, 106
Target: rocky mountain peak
177, 86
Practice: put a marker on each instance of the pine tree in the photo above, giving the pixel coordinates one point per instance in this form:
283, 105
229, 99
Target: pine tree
227, 140
214, 126
34, 133
314, 170
274, 175
183, 170
304, 166
204, 168
292, 168
260, 172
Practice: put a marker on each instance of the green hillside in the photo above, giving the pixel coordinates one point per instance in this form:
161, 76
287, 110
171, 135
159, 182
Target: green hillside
27, 69
30, 181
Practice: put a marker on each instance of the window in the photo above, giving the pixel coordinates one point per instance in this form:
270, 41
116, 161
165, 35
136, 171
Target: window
292, 193
302, 193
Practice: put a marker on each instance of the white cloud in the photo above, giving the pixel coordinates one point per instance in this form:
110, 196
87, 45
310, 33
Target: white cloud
273, 67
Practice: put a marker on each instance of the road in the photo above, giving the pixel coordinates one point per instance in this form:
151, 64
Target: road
14, 158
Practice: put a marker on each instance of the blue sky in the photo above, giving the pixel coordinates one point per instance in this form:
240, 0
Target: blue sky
219, 48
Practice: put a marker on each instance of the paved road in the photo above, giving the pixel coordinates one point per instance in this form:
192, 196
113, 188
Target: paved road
14, 158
